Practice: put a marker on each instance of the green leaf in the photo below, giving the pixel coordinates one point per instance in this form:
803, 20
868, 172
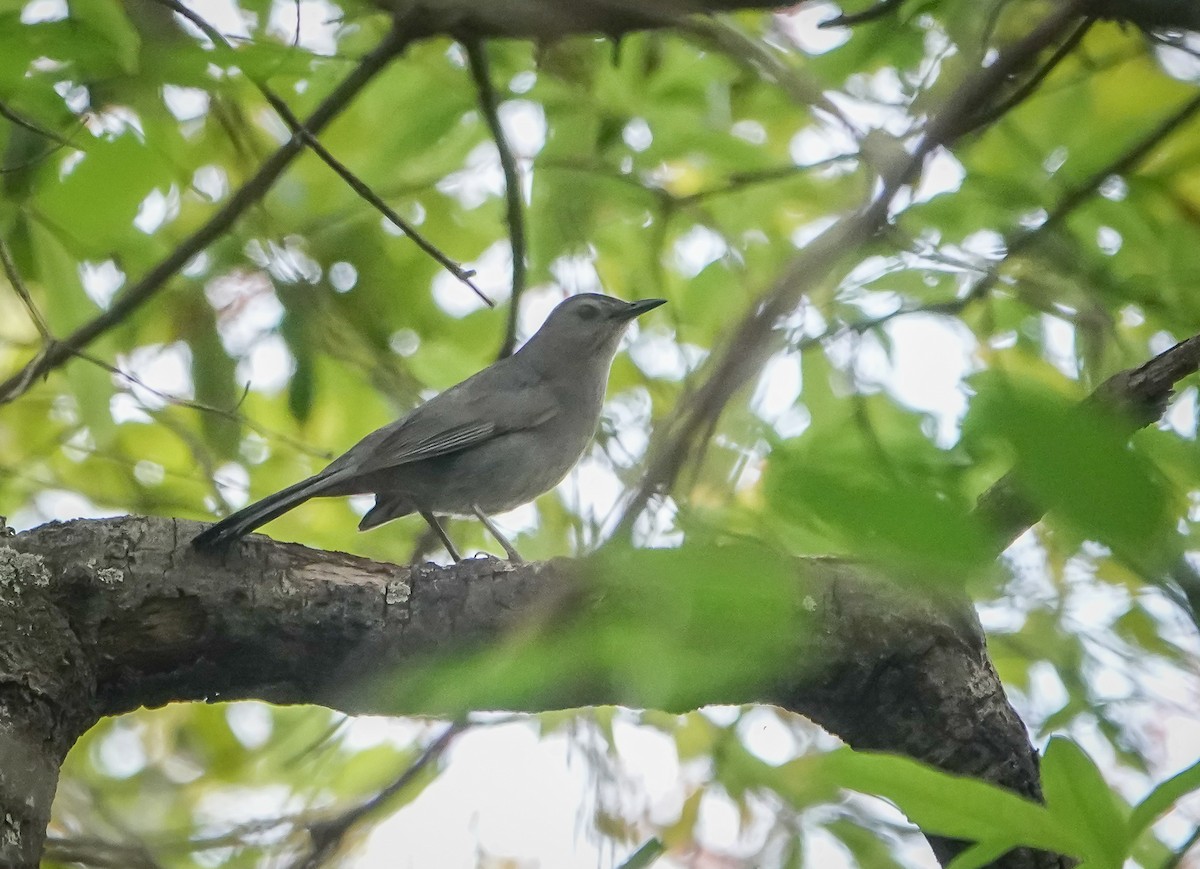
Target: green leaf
1081, 800
1076, 461
1162, 798
939, 802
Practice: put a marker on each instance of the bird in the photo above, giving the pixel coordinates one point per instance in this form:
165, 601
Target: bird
497, 440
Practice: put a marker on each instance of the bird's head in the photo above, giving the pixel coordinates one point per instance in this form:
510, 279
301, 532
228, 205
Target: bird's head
585, 326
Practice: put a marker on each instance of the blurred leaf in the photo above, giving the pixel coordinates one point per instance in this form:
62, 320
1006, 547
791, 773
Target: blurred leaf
1082, 801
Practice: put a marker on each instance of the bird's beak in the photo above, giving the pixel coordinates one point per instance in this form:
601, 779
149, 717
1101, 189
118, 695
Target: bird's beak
636, 309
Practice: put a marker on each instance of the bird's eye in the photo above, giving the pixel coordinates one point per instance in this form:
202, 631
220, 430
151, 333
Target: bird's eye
588, 312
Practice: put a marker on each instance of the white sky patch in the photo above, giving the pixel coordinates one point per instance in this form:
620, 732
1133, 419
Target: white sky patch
942, 174
268, 366
472, 806
248, 305
1058, 337
931, 356
593, 489
123, 408
514, 522
637, 134
576, 273
211, 182
51, 504
766, 737
224, 15
185, 103
802, 26
318, 27
524, 125
481, 179
122, 753
1181, 417
234, 483
38, 11
493, 275
250, 722
658, 356
101, 281
165, 368
697, 248
156, 209
778, 387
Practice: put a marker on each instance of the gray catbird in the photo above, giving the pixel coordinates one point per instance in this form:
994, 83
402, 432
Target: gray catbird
493, 442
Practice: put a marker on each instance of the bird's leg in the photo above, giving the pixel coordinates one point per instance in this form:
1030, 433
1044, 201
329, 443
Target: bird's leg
509, 549
441, 533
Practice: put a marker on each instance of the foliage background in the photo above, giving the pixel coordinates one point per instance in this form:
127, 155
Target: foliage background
1039, 255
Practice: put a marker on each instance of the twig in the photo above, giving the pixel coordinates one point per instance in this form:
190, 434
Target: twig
20, 120
363, 189
514, 212
18, 285
246, 196
751, 343
327, 835
299, 128
1022, 93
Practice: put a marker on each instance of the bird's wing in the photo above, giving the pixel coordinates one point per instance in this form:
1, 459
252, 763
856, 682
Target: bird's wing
453, 421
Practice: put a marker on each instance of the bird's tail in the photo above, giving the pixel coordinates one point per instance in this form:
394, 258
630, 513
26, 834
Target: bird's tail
261, 512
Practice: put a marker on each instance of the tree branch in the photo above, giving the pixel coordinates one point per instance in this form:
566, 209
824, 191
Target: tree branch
514, 212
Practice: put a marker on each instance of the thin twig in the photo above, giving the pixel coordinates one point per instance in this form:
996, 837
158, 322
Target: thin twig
299, 128
364, 190
328, 835
246, 196
1022, 93
20, 120
514, 211
18, 285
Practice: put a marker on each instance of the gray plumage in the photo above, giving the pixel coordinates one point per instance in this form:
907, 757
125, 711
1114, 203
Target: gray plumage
493, 442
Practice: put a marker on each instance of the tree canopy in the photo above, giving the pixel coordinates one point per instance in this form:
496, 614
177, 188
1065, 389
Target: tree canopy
901, 244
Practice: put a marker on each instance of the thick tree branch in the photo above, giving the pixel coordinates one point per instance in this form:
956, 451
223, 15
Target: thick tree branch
144, 621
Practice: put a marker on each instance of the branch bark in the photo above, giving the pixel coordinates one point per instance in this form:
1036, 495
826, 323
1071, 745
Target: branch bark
133, 617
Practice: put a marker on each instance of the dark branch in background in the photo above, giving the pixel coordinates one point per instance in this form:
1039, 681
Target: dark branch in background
247, 195
328, 835
514, 212
353, 181
752, 342
1022, 93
